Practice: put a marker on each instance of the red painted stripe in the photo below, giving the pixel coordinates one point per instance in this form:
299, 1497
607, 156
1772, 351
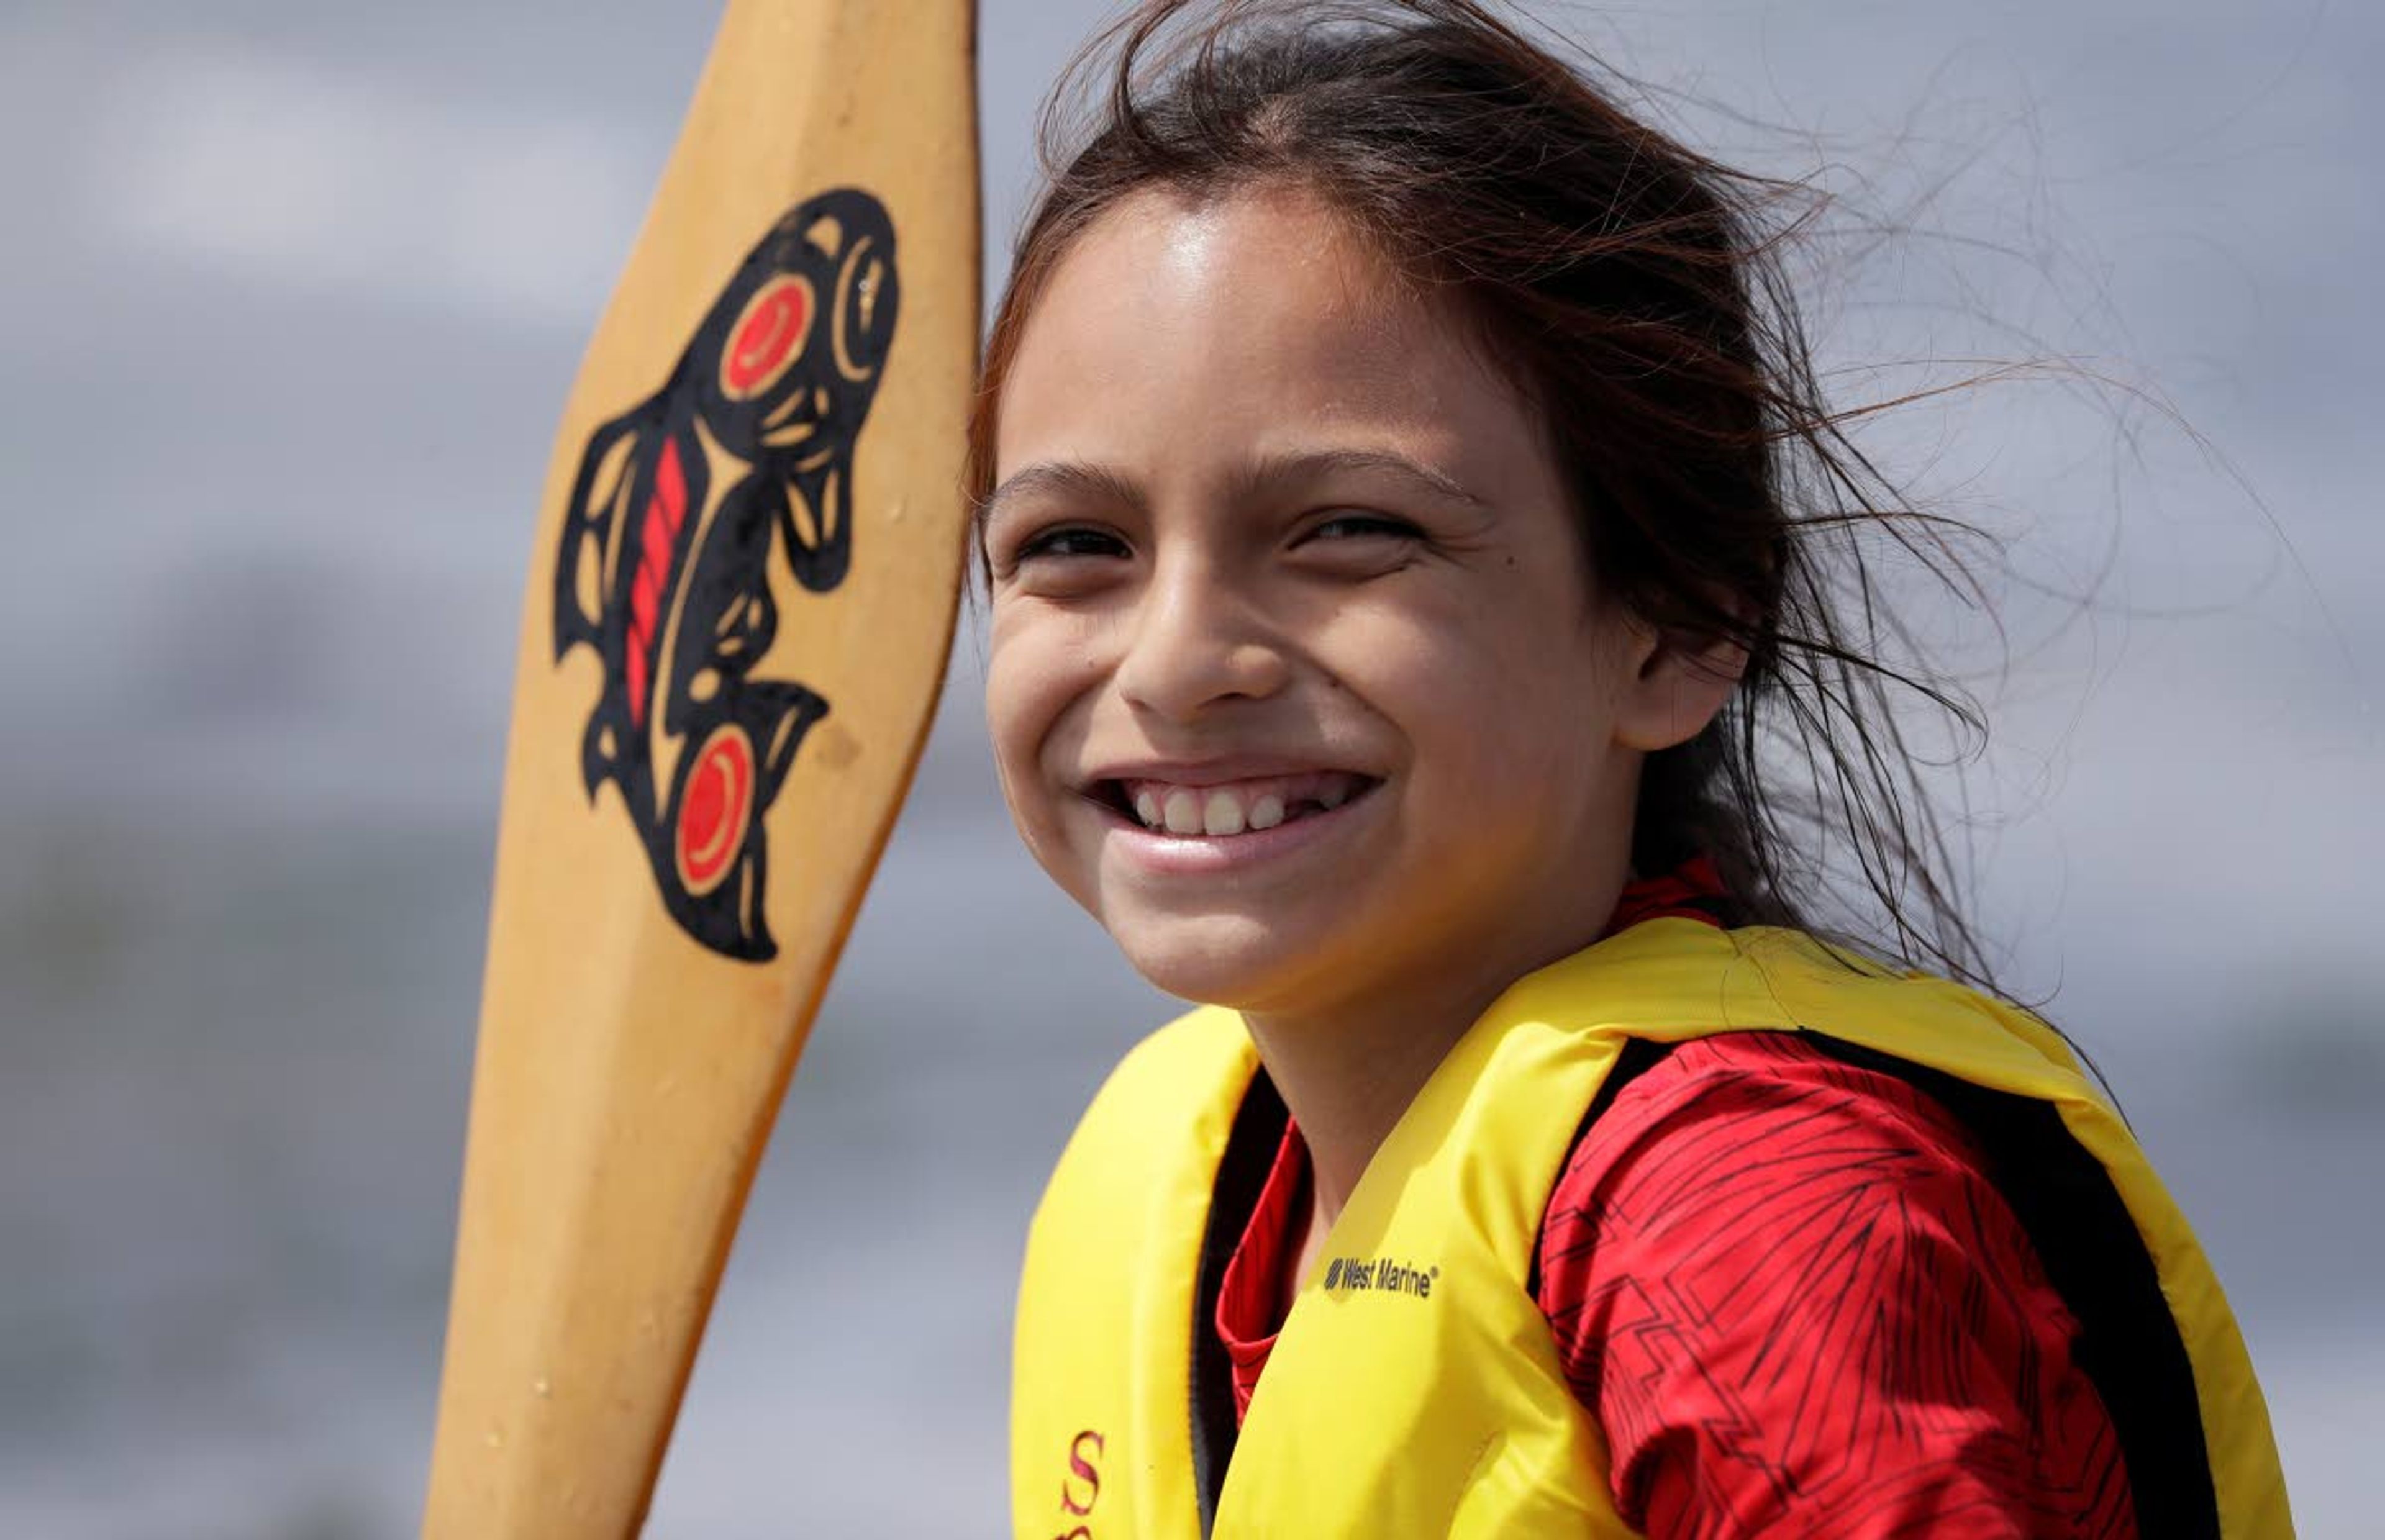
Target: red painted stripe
666, 511
637, 687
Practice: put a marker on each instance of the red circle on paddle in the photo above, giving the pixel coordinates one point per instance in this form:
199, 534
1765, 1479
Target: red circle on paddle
767, 337
715, 809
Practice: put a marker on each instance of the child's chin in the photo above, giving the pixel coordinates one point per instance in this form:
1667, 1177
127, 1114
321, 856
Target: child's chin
1231, 960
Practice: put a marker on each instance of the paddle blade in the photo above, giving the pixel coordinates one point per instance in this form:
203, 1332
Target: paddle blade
741, 596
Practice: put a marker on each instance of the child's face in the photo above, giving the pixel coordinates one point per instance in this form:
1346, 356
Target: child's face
1272, 550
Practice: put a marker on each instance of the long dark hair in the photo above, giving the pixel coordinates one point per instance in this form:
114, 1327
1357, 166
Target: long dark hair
1636, 290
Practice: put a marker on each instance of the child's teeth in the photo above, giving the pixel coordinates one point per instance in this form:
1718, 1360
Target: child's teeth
1221, 815
1221, 812
1183, 812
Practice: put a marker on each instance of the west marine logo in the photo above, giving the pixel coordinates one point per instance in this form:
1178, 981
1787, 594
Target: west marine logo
1379, 1275
740, 465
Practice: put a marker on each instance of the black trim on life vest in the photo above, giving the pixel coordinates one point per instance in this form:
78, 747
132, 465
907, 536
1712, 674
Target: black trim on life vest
1241, 1177
1637, 1057
2128, 1343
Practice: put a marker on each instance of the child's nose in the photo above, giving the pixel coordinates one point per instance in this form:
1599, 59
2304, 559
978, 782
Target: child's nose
1198, 638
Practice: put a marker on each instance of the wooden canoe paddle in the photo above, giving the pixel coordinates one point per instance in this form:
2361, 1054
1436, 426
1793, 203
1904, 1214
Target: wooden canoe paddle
742, 595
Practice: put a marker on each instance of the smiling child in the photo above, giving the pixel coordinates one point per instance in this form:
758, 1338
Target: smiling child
1405, 503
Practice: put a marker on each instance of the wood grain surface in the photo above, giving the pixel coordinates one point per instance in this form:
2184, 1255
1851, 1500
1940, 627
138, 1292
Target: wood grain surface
741, 596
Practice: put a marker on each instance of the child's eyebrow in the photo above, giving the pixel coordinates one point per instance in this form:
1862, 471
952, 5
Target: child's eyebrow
1062, 478
1083, 481
1317, 465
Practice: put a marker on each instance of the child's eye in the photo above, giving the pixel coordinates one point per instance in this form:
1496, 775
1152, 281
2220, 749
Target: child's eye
1068, 539
1363, 525
1060, 558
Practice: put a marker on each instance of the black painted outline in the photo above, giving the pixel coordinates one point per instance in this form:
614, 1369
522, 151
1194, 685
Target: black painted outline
766, 470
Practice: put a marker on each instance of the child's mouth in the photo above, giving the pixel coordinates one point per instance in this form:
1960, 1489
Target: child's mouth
1233, 808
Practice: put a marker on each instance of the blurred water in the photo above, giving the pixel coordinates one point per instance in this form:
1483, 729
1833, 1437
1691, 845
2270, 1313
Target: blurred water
279, 388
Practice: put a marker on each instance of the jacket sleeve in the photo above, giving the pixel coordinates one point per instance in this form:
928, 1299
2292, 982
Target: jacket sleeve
1796, 1302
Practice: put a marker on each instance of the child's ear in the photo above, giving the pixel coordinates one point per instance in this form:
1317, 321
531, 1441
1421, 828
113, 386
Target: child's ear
1678, 680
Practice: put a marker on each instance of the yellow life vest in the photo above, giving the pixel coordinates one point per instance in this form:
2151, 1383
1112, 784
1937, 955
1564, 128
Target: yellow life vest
1415, 1388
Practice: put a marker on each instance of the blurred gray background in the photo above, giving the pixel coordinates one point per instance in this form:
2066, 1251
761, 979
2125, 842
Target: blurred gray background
291, 294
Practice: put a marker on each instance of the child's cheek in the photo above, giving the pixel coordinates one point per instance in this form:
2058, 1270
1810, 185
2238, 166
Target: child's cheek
1028, 712
1010, 712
